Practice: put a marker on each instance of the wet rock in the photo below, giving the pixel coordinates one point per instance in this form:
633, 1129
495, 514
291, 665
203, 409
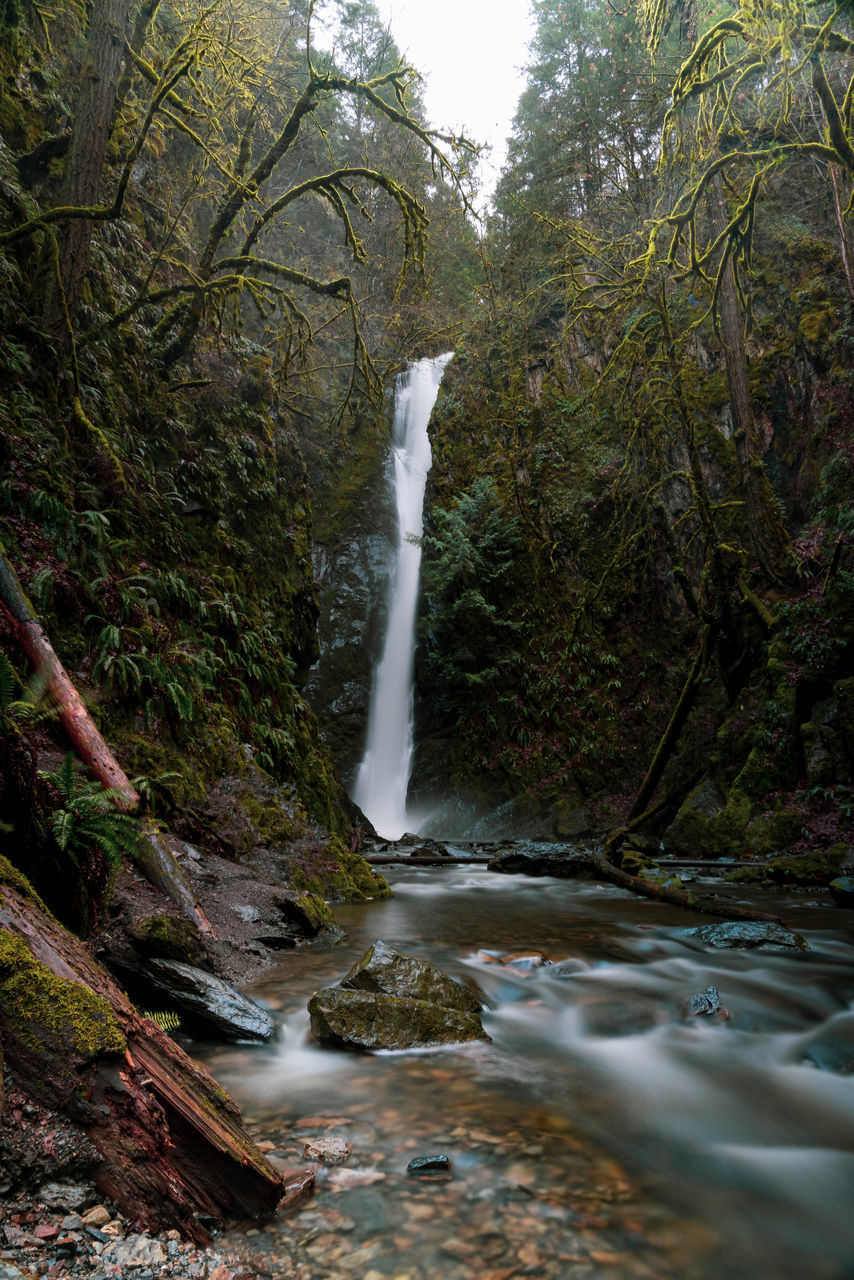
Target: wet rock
350, 1019
706, 1004
97, 1216
384, 970
8, 1271
135, 1251
842, 891
248, 914
64, 1195
535, 858
746, 935
326, 1150
168, 938
212, 1002
432, 1168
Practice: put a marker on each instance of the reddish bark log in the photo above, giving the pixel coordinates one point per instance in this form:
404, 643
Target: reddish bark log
172, 1143
154, 857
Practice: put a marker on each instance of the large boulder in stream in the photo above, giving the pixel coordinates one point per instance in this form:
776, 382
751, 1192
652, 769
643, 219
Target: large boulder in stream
541, 858
212, 1003
746, 936
390, 1000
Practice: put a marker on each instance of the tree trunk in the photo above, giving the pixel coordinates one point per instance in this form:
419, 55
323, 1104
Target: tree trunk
678, 720
171, 1143
768, 538
84, 165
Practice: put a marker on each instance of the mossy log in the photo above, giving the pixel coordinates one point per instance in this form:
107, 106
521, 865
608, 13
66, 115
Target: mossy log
172, 1145
709, 906
154, 856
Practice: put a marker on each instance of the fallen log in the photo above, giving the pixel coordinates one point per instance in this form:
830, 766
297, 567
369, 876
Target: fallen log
709, 906
172, 1146
154, 856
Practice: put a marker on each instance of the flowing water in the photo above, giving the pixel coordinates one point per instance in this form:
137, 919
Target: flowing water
383, 777
602, 1132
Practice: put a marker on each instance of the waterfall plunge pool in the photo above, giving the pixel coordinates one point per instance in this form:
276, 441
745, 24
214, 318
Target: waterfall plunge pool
601, 1133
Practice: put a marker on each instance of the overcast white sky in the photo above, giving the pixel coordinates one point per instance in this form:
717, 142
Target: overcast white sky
470, 52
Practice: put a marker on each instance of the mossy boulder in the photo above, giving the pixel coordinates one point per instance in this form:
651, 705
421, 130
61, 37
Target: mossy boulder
842, 891
818, 867
709, 826
329, 871
770, 833
169, 938
366, 1020
391, 1000
382, 969
308, 911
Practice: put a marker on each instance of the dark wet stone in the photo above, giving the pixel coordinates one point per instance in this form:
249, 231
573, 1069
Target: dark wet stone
384, 970
539, 858
842, 891
706, 1003
350, 1019
746, 935
210, 1001
431, 1168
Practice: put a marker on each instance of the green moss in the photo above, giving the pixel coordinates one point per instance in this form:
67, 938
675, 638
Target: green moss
312, 912
41, 1010
767, 834
15, 879
816, 325
818, 867
712, 834
331, 872
168, 937
270, 823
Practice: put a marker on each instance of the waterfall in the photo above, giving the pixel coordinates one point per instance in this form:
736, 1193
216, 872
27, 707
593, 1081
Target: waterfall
383, 777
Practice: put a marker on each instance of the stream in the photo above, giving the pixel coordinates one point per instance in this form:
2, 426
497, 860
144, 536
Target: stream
602, 1132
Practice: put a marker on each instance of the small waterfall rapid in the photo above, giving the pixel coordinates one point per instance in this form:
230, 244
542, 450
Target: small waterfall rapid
383, 777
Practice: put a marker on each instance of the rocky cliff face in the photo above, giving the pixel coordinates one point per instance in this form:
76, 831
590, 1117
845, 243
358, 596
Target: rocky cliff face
355, 537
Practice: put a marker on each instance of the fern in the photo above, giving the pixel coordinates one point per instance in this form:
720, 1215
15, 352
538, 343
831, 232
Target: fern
165, 1019
28, 707
87, 819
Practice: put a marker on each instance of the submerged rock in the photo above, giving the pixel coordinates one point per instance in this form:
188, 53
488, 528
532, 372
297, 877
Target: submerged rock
432, 1168
390, 1000
211, 1001
539, 858
746, 935
326, 1150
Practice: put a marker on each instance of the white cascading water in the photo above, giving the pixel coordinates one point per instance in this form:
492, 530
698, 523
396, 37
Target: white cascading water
383, 777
